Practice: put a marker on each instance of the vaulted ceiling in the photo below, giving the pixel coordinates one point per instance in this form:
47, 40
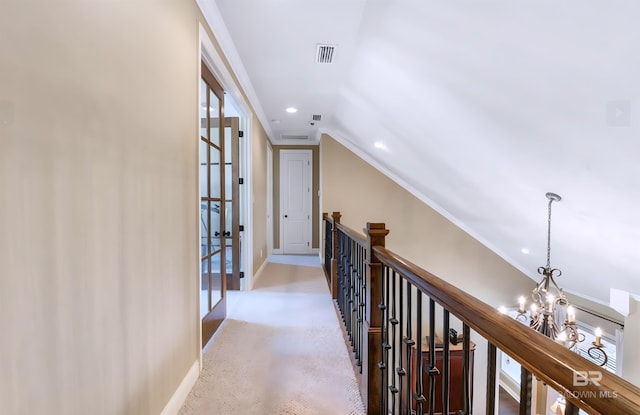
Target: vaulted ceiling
478, 108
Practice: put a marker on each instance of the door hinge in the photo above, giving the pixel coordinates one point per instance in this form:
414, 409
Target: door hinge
241, 274
241, 228
241, 180
240, 133
307, 243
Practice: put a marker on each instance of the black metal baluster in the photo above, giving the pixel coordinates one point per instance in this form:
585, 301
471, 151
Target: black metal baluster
342, 276
400, 369
363, 298
491, 379
419, 395
466, 363
384, 307
357, 301
445, 362
409, 343
571, 409
433, 370
394, 322
348, 300
525, 391
354, 300
340, 281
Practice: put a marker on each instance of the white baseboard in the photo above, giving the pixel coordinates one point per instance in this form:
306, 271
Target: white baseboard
510, 386
314, 251
180, 395
259, 272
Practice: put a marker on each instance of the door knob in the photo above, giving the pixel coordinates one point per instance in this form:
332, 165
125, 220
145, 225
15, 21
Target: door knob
286, 216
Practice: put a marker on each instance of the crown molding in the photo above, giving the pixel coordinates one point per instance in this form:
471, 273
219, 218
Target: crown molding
215, 21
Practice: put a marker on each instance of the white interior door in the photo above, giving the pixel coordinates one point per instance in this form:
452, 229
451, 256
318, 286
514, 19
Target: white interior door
295, 201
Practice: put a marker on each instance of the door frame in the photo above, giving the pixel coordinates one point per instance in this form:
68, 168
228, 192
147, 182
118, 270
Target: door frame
269, 201
218, 311
215, 62
309, 229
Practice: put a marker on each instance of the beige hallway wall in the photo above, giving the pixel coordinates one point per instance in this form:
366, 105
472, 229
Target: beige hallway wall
260, 142
361, 193
99, 214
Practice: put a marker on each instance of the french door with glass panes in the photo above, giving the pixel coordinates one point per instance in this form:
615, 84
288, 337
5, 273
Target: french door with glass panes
213, 279
232, 201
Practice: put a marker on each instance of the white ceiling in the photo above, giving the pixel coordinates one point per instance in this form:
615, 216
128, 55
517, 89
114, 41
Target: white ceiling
479, 107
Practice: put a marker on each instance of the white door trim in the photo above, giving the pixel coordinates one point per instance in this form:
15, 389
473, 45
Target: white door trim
308, 229
269, 201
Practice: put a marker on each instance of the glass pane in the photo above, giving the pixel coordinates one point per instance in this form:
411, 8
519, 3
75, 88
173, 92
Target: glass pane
215, 172
204, 290
228, 179
204, 228
228, 143
203, 108
215, 227
216, 279
204, 176
214, 114
229, 237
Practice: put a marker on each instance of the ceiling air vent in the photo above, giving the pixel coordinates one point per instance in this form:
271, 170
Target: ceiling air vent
294, 137
324, 53
316, 117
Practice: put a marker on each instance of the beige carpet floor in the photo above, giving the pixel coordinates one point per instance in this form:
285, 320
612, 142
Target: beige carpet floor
280, 350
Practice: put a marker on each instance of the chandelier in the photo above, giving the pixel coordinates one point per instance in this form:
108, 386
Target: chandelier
550, 312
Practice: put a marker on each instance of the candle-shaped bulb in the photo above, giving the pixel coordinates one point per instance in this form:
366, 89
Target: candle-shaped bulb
522, 301
571, 314
598, 333
550, 300
534, 310
502, 309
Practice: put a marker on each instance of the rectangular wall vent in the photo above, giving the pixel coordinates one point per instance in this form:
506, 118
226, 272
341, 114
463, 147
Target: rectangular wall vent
316, 117
294, 137
325, 53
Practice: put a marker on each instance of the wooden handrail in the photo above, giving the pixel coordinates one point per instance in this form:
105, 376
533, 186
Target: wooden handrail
353, 234
549, 361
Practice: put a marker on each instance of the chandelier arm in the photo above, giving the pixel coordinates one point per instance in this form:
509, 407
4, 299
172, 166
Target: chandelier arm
597, 353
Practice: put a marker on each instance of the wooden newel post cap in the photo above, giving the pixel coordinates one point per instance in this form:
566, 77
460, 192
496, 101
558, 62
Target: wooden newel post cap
336, 216
376, 232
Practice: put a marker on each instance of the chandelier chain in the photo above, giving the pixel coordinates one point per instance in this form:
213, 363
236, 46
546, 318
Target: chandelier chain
549, 237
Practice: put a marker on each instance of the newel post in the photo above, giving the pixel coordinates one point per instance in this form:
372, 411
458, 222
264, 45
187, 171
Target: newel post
334, 255
371, 385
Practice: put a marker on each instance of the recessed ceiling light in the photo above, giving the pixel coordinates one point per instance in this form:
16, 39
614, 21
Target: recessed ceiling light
525, 251
291, 110
380, 145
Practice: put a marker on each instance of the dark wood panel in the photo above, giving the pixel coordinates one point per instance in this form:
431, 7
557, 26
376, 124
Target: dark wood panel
212, 321
456, 379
